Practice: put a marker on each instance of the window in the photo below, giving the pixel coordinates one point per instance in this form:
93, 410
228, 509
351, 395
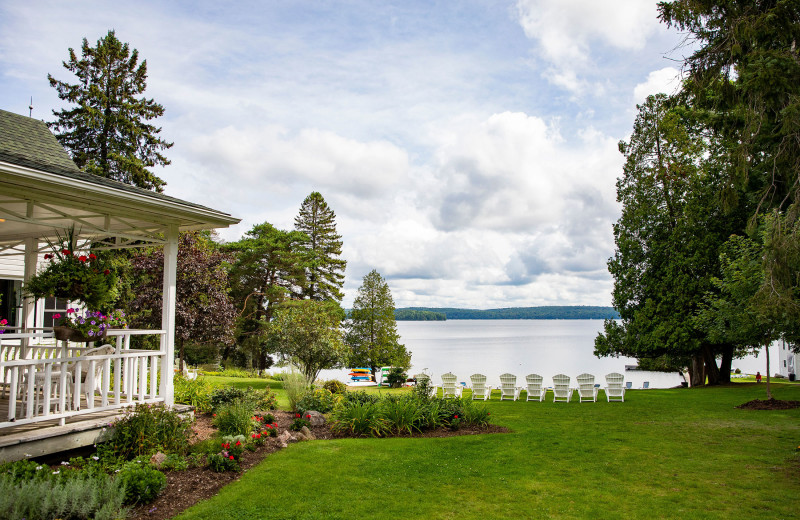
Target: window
54, 306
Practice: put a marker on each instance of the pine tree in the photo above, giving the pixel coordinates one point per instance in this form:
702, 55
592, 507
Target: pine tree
325, 270
106, 132
372, 332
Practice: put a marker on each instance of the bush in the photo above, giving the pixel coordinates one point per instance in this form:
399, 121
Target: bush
318, 399
146, 430
142, 482
226, 395
422, 388
219, 463
83, 497
257, 399
360, 397
235, 418
175, 462
396, 377
402, 414
194, 392
358, 419
335, 387
299, 423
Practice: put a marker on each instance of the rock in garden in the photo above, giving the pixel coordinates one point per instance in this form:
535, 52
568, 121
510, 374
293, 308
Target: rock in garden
315, 418
307, 434
300, 436
158, 459
285, 437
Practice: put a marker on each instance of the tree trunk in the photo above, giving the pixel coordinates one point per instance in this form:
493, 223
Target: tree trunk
697, 376
725, 364
712, 372
180, 356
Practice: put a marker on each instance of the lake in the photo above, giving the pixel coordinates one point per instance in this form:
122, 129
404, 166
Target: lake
522, 347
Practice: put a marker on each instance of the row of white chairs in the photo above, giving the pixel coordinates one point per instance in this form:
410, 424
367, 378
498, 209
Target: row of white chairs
536, 391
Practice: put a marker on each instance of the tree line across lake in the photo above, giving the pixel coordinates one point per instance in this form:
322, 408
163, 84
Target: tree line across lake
568, 312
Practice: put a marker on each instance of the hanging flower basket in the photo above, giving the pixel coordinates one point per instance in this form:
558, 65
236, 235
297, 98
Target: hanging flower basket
92, 326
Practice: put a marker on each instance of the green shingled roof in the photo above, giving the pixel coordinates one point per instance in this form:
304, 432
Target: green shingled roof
28, 142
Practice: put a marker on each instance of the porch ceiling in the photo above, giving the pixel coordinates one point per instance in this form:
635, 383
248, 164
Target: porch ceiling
37, 204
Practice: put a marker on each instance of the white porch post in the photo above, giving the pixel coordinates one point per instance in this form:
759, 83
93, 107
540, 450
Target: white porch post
168, 313
31, 258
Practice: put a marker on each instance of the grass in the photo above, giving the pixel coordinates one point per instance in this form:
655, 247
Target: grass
662, 454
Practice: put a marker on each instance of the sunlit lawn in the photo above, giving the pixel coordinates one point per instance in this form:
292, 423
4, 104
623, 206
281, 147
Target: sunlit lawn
662, 454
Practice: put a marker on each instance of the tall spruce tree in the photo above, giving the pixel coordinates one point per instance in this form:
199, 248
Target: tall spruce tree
107, 131
372, 331
325, 268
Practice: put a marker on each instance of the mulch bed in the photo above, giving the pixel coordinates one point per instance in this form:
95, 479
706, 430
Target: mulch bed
186, 488
769, 404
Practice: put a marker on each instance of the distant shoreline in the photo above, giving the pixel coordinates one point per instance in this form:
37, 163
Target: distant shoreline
563, 312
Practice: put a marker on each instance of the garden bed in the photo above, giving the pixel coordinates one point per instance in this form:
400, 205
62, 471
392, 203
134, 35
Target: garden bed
769, 404
188, 487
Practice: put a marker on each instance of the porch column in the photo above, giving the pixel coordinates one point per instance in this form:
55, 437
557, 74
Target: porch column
29, 303
168, 313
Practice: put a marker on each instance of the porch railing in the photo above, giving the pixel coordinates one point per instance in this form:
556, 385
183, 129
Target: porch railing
42, 379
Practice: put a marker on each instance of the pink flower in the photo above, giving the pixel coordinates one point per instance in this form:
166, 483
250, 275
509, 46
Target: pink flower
70, 311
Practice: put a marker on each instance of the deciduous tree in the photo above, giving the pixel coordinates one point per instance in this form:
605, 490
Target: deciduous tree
107, 130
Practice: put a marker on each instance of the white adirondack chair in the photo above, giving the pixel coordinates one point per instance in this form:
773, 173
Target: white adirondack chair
586, 389
615, 387
536, 391
450, 386
508, 387
431, 387
561, 389
480, 390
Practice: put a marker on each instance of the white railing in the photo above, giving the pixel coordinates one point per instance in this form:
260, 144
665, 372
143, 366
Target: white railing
43, 379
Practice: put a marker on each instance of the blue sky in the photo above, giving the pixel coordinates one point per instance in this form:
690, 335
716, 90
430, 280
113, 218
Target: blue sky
468, 148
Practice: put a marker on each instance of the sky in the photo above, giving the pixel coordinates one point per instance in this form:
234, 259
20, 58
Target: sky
468, 148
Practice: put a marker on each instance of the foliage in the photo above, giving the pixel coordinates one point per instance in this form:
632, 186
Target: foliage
358, 419
92, 323
372, 330
74, 275
323, 248
360, 397
396, 377
175, 462
269, 265
228, 458
234, 418
402, 414
142, 482
203, 309
107, 131
257, 399
334, 386
307, 333
422, 388
318, 399
84, 497
668, 239
418, 315
195, 392
299, 423
146, 430
295, 385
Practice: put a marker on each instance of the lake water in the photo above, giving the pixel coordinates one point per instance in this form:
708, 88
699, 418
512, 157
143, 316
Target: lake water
522, 347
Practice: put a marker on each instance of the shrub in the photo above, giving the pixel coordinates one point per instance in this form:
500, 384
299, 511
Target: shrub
85, 496
194, 392
219, 463
257, 399
422, 389
142, 482
402, 414
175, 462
146, 430
318, 399
396, 377
235, 418
228, 458
360, 397
359, 419
299, 423
335, 387
226, 395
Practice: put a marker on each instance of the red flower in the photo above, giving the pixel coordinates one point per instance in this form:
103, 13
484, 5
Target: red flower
92, 256
456, 417
231, 457
274, 425
82, 258
297, 415
238, 443
308, 416
48, 256
66, 252
106, 272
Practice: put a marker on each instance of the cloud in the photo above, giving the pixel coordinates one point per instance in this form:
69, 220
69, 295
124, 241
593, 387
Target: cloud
666, 81
570, 34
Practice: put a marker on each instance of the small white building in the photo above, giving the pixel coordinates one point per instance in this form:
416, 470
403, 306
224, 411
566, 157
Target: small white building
44, 404
787, 365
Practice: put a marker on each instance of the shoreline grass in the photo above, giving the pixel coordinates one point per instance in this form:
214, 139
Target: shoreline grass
661, 454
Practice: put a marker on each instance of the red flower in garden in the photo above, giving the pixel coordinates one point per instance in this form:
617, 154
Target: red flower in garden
66, 252
297, 415
308, 416
48, 256
82, 258
92, 256
238, 443
106, 272
231, 457
456, 417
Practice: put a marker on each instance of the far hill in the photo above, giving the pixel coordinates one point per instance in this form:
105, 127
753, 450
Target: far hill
568, 312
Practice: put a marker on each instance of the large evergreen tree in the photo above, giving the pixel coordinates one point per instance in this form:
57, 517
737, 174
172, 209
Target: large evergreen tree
107, 131
372, 331
268, 268
325, 268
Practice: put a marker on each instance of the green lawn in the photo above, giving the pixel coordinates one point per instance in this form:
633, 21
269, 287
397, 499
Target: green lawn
662, 454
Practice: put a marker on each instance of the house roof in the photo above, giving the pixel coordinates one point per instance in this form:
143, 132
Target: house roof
44, 191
